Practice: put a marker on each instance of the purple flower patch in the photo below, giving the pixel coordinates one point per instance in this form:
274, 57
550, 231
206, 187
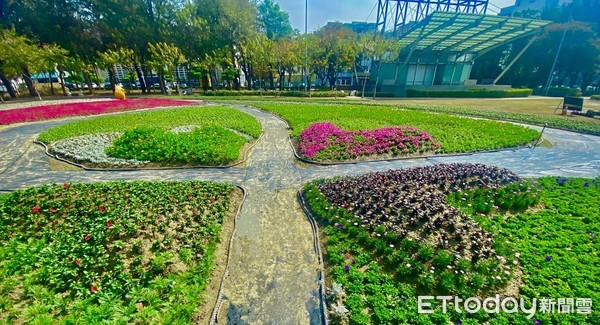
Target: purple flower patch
328, 141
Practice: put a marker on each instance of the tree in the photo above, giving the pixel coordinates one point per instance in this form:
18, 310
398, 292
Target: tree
286, 55
19, 56
53, 56
258, 52
380, 50
340, 50
273, 21
577, 62
165, 58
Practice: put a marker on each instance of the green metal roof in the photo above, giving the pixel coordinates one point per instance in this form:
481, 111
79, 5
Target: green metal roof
466, 33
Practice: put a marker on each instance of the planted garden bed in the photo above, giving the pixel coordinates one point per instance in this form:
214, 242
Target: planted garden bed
191, 136
454, 134
47, 112
459, 230
121, 252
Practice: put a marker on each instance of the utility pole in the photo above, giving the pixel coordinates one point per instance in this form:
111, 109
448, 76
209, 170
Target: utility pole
306, 45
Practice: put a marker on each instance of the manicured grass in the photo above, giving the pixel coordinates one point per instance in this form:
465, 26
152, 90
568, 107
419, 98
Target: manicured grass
471, 93
169, 118
46, 112
549, 250
455, 134
120, 252
536, 111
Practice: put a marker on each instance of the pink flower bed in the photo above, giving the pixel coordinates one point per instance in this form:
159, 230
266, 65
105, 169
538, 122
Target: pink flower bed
47, 112
325, 141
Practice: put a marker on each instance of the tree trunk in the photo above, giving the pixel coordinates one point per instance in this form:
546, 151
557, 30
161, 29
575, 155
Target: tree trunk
112, 78
272, 80
29, 82
176, 81
205, 79
161, 81
213, 79
62, 81
88, 81
51, 83
585, 81
9, 88
281, 72
377, 81
141, 79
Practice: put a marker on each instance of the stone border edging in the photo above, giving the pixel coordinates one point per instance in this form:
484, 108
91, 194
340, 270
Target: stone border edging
215, 314
319, 253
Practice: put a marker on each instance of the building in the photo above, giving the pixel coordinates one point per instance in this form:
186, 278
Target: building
439, 51
532, 5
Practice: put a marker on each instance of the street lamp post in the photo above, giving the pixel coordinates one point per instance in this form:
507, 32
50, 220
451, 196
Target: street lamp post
306, 70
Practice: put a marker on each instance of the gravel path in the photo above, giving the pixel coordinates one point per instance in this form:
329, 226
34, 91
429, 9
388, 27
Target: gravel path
272, 277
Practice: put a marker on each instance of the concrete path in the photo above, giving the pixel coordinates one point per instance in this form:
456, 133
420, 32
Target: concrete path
272, 278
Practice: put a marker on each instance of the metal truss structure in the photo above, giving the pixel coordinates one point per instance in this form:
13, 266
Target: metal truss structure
395, 15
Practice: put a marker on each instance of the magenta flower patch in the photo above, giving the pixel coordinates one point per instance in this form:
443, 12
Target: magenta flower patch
47, 112
325, 141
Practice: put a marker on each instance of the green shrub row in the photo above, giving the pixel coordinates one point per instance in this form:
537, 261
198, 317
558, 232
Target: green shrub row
208, 145
379, 94
471, 93
559, 92
595, 97
282, 93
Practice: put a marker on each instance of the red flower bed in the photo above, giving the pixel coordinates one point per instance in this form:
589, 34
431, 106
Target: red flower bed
47, 112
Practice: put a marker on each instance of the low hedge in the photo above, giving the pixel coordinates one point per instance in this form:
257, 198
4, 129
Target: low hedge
379, 94
282, 93
471, 93
559, 92
595, 97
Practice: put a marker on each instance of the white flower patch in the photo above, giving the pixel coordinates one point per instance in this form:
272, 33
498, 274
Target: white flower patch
184, 128
91, 148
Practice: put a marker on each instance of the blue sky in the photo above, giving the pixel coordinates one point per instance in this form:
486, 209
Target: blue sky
322, 11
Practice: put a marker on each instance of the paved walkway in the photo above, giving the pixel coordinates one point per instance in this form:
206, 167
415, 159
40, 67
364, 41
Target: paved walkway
272, 277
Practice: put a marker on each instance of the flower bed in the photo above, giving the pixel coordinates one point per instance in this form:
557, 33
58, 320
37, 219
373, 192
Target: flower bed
166, 137
92, 148
120, 252
460, 230
392, 236
455, 134
208, 145
325, 141
46, 112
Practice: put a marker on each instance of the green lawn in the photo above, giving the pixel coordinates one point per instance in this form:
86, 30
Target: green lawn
457, 134
537, 111
120, 252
